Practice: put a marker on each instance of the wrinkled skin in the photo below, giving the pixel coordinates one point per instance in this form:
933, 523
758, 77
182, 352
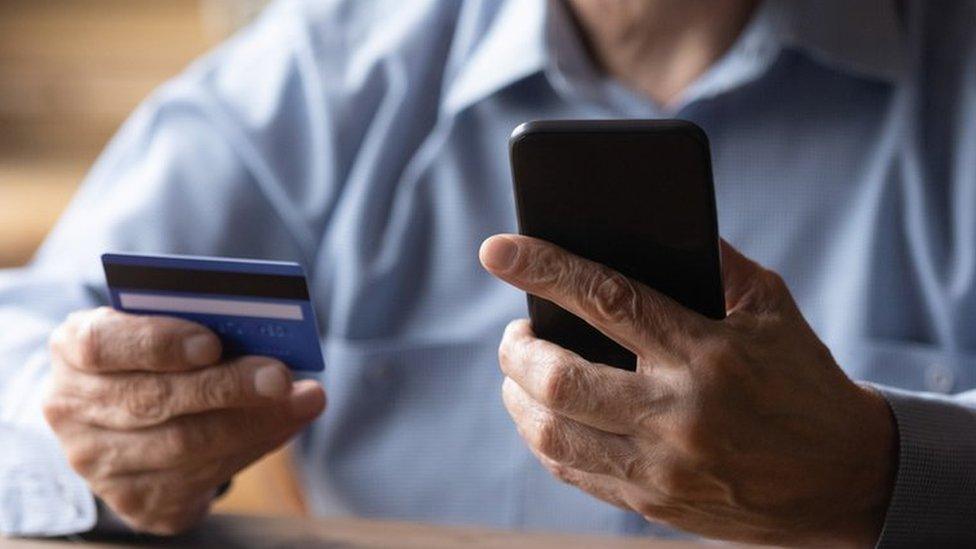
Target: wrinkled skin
742, 429
147, 414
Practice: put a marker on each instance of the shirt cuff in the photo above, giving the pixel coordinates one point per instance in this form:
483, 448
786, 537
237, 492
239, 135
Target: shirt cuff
934, 498
39, 493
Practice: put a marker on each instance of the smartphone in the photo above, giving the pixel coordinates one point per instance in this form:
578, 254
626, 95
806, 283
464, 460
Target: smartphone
634, 195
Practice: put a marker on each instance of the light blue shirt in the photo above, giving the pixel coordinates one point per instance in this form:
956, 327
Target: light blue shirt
367, 140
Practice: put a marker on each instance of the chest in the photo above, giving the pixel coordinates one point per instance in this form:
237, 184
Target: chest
820, 179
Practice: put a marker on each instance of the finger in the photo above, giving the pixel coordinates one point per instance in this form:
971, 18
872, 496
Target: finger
106, 340
610, 399
602, 487
133, 400
155, 504
189, 441
158, 495
738, 273
567, 441
749, 286
625, 310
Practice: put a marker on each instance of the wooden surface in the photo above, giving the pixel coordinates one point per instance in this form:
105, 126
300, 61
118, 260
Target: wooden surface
235, 531
73, 69
70, 72
269, 487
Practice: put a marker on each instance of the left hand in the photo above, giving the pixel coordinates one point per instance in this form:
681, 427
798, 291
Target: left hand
741, 429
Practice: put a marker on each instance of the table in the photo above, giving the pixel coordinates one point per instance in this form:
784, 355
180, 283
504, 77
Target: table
242, 531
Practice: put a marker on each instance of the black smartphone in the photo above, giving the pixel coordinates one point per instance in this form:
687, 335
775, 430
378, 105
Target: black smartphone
635, 195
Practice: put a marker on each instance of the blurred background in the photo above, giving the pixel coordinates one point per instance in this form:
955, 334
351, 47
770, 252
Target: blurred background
70, 72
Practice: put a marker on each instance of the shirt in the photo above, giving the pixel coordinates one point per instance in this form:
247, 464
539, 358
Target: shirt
366, 139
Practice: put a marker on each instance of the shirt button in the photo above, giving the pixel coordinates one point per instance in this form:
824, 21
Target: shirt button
939, 378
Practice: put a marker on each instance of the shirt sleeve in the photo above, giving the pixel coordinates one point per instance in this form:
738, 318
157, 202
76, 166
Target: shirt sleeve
217, 162
933, 503
39, 494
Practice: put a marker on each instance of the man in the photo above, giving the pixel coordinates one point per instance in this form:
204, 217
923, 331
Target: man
367, 140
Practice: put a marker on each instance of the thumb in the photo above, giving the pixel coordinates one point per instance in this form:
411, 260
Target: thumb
739, 277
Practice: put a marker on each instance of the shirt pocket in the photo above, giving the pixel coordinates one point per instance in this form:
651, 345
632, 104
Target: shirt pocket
907, 365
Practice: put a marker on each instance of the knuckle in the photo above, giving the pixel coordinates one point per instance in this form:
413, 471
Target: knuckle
86, 343
551, 440
506, 354
547, 267
83, 459
713, 352
722, 349
152, 345
128, 503
615, 296
513, 329
510, 396
563, 473
216, 387
103, 487
57, 341
56, 409
563, 386
144, 398
725, 361
513, 346
644, 394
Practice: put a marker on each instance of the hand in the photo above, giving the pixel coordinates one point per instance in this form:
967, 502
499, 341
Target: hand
154, 423
742, 429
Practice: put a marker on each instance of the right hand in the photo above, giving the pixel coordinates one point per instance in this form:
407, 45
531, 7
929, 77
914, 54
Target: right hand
154, 423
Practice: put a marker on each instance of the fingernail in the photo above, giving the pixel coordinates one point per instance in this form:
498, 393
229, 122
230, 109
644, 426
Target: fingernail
271, 382
308, 403
498, 253
200, 349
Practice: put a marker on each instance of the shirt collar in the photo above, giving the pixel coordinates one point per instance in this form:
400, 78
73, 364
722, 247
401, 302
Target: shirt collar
864, 37
518, 38
494, 48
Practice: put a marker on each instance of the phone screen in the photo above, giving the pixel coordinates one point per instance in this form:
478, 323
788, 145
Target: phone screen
636, 196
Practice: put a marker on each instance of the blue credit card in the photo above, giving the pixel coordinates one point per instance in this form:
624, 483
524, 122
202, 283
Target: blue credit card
255, 307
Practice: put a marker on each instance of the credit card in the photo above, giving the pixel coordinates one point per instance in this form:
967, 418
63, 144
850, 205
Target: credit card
255, 307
